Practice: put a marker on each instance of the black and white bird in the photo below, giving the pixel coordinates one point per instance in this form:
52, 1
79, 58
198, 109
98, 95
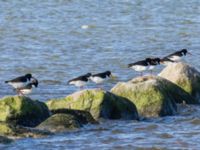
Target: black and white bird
80, 81
20, 82
166, 61
28, 88
140, 66
100, 77
178, 55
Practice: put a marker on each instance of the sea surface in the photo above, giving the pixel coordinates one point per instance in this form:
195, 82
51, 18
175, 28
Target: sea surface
57, 40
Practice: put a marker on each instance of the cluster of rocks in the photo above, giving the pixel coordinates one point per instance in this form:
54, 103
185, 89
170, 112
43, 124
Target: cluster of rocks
148, 96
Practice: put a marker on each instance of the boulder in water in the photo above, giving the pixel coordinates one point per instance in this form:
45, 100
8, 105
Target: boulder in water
185, 76
153, 96
98, 102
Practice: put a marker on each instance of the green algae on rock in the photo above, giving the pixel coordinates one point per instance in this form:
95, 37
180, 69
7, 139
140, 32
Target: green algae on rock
66, 120
153, 96
84, 117
22, 111
16, 131
185, 76
60, 122
5, 140
98, 102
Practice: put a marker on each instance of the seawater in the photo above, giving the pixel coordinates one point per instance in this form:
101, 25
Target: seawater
57, 40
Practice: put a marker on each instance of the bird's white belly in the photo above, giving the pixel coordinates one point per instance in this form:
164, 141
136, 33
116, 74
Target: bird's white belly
25, 91
166, 63
78, 83
17, 85
151, 67
175, 58
97, 80
139, 68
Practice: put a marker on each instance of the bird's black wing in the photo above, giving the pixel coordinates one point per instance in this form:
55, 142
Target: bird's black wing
178, 53
18, 79
142, 63
82, 78
102, 75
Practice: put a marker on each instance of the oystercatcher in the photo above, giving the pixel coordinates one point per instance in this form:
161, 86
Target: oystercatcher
100, 77
28, 88
177, 55
140, 66
19, 82
80, 81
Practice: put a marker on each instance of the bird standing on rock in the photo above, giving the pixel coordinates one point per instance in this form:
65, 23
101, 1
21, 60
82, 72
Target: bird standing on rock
80, 81
140, 66
100, 77
178, 55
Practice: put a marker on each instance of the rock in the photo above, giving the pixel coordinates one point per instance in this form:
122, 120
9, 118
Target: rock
60, 122
5, 140
16, 131
22, 111
185, 76
99, 103
66, 120
83, 117
153, 96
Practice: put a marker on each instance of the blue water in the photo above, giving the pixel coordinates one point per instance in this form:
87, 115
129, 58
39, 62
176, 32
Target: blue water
57, 40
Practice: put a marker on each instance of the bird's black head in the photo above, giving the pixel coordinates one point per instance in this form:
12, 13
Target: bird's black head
184, 51
35, 82
28, 76
108, 73
157, 60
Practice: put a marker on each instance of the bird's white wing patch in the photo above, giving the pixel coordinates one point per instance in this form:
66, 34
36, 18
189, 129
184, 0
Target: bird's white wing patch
97, 80
175, 58
139, 68
78, 83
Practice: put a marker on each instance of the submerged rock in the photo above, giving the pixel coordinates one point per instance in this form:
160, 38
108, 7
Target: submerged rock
83, 117
185, 76
5, 140
153, 96
60, 122
66, 120
22, 111
15, 131
98, 102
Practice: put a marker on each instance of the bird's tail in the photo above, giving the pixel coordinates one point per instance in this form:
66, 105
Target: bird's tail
129, 65
6, 81
68, 82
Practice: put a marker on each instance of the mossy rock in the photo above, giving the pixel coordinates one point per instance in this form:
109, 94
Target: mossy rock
16, 131
153, 96
185, 76
98, 102
83, 117
5, 140
60, 122
66, 120
22, 111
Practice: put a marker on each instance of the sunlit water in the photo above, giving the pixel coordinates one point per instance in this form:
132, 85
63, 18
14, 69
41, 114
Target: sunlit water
57, 40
